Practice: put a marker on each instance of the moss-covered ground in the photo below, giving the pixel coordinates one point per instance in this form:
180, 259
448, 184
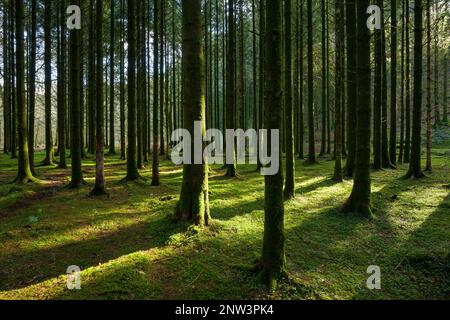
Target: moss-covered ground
128, 248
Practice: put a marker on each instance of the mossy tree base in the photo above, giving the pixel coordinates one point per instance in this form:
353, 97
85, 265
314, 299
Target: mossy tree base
414, 175
76, 184
48, 162
134, 178
348, 173
98, 192
269, 277
289, 194
231, 171
193, 205
23, 180
361, 207
62, 166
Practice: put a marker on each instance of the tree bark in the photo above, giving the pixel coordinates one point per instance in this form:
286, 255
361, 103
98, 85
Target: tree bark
352, 87
429, 167
75, 90
311, 131
194, 204
32, 84
385, 158
415, 167
359, 200
122, 81
324, 83
273, 261
62, 86
231, 82
289, 188
112, 136
407, 152
339, 36
402, 90
156, 122
24, 174
100, 187
6, 86
393, 120
49, 152
378, 95
132, 171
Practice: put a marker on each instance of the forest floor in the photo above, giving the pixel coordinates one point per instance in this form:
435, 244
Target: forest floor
128, 248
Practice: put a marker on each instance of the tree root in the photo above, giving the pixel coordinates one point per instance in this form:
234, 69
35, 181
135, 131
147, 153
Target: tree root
72, 186
98, 192
412, 175
26, 180
362, 209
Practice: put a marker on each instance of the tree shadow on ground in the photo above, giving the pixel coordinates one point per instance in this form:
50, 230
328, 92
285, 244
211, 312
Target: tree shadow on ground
24, 268
325, 183
420, 266
203, 269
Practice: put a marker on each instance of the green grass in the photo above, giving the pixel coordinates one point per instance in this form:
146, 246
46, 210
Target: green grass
128, 248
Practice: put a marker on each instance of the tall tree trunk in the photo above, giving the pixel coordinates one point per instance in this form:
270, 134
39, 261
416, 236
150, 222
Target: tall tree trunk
359, 200
385, 159
140, 88
83, 113
162, 148
231, 80
32, 84
262, 31
49, 152
407, 152
75, 90
194, 204
445, 89
99, 188
216, 76
402, 91
437, 113
378, 94
91, 80
145, 83
132, 171
311, 134
352, 86
254, 69
289, 188
296, 76
112, 136
273, 261
24, 174
62, 79
122, 81
241, 103
206, 45
174, 66
429, 166
13, 88
415, 167
167, 104
301, 111
6, 85
324, 82
339, 92
393, 126
156, 122
328, 79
